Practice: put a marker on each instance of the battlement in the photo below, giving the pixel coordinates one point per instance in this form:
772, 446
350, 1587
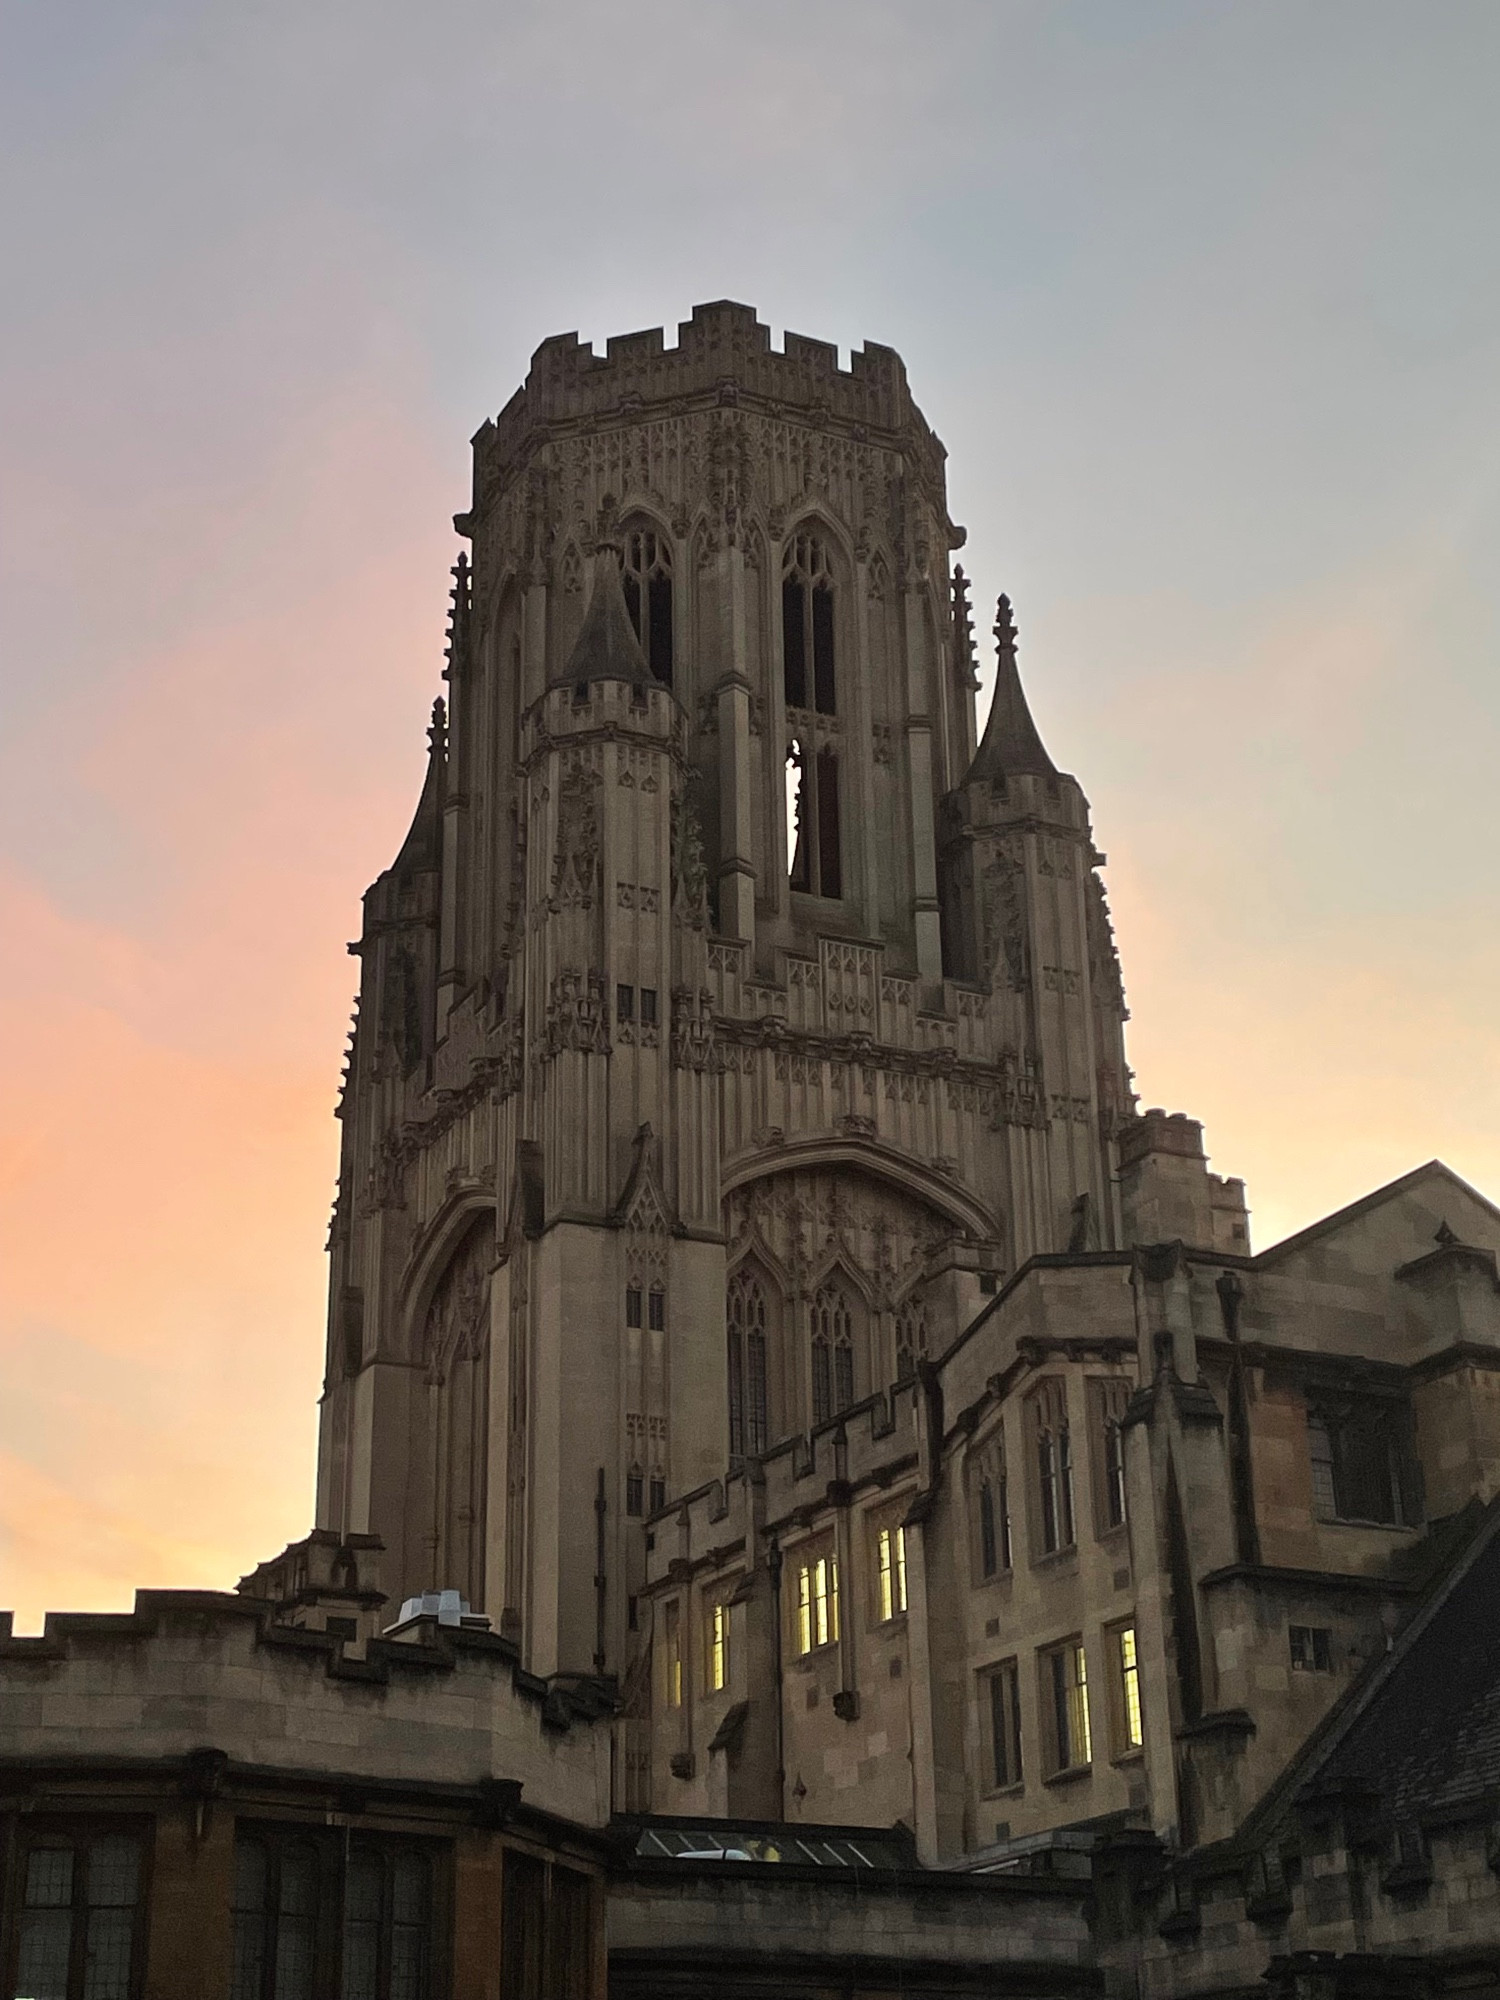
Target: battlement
723, 353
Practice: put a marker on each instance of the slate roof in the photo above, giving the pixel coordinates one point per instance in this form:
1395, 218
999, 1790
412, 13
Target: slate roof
606, 648
1427, 1740
1419, 1735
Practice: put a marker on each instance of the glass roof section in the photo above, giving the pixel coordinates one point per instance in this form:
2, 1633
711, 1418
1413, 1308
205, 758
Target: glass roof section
727, 1842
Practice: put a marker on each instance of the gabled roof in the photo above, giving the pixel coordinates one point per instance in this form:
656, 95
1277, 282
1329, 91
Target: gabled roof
1341, 1217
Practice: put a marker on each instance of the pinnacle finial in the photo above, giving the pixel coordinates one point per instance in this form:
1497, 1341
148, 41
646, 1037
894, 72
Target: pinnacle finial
437, 729
963, 624
1005, 626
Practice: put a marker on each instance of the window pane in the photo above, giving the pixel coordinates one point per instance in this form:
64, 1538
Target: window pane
49, 1878
794, 643
822, 637
295, 1927
42, 1964
362, 1928
106, 1973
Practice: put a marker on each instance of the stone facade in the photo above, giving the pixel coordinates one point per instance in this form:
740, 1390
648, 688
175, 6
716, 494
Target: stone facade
798, 1389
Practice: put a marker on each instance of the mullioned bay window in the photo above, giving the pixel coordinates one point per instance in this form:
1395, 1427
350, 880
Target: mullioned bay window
817, 1603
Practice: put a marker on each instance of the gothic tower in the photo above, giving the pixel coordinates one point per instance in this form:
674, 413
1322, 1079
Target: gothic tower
728, 1023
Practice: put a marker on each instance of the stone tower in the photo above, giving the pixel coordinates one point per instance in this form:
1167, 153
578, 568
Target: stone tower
729, 1024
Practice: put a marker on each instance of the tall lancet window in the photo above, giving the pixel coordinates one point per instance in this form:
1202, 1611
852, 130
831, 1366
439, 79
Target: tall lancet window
647, 580
749, 1416
807, 626
832, 1351
812, 781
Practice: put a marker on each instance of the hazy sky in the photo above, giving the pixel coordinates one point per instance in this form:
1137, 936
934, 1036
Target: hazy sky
1204, 301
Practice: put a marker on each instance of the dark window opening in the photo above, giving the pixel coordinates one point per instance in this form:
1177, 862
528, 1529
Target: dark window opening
647, 582
794, 641
624, 1003
814, 821
634, 1490
822, 638
1054, 1463
76, 1929
656, 1305
648, 1006
807, 627
658, 1491
748, 1415
1363, 1466
832, 1353
1005, 1725
1311, 1648
546, 1931
632, 1305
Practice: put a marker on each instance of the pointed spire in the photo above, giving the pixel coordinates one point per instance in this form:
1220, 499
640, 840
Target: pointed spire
606, 648
1011, 745
423, 845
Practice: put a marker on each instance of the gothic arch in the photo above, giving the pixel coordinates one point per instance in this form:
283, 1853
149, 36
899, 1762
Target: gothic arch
881, 1163
431, 1256
450, 1420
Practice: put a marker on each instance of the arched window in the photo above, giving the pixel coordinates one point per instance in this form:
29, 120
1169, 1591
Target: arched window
807, 626
648, 597
749, 1424
813, 819
1054, 1464
911, 1337
991, 1491
832, 1352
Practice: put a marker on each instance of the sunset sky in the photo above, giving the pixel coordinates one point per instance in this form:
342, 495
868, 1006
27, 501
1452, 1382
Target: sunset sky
1204, 300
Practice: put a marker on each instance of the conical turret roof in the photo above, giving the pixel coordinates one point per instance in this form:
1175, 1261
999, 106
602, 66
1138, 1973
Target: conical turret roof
606, 648
1011, 745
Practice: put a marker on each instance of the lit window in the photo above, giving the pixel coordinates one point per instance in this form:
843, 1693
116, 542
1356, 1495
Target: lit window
716, 1652
1130, 1690
672, 1651
891, 1563
817, 1604
1065, 1690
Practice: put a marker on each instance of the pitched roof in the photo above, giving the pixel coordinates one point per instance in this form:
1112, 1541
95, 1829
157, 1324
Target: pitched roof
1420, 1731
1011, 744
1326, 1225
606, 648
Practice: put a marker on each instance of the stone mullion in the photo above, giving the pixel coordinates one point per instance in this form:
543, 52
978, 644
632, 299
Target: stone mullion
921, 804
736, 837
859, 762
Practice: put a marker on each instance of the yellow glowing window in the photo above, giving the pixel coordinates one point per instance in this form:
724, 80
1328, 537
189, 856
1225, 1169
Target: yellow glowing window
717, 1650
817, 1604
1130, 1689
891, 1554
672, 1647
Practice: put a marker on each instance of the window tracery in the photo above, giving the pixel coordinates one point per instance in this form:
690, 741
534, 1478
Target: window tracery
911, 1336
1054, 1467
832, 1351
749, 1425
646, 574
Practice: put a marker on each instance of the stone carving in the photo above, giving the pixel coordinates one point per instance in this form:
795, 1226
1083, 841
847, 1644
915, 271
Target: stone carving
1003, 914
575, 864
578, 1013
689, 874
692, 1028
